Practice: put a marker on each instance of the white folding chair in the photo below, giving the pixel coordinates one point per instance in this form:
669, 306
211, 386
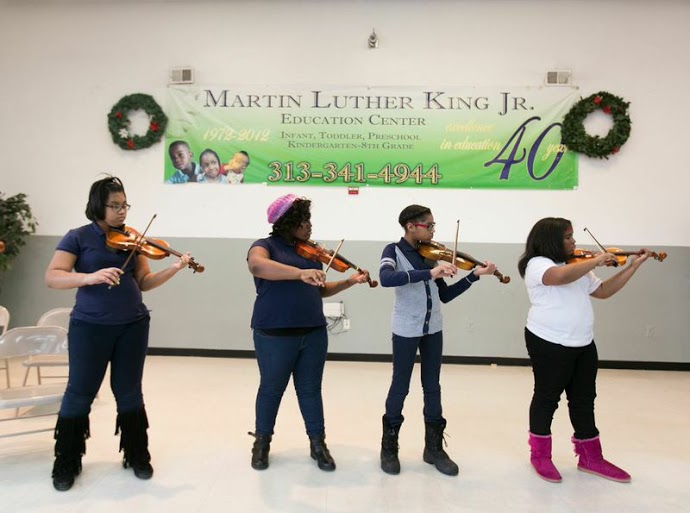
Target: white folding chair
4, 324
24, 342
55, 317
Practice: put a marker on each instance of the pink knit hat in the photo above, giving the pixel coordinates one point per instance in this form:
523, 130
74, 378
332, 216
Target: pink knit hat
277, 209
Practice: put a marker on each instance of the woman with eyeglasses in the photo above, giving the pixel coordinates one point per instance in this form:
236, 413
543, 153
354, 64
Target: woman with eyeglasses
420, 288
289, 327
109, 325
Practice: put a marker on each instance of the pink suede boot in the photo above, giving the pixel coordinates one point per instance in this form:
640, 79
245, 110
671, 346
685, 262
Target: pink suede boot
541, 458
592, 461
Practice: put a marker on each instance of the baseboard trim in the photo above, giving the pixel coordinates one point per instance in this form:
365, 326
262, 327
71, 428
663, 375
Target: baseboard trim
460, 360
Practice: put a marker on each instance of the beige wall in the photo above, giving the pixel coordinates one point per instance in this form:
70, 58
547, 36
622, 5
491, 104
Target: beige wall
65, 63
646, 322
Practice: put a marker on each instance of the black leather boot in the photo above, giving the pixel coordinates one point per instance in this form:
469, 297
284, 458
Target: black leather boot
260, 449
70, 446
319, 452
390, 463
134, 441
433, 449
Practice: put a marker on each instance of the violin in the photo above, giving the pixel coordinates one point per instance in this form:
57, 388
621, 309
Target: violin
582, 255
317, 253
434, 251
128, 239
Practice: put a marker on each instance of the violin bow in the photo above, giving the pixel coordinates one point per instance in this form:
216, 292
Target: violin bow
333, 256
615, 264
595, 240
137, 245
455, 248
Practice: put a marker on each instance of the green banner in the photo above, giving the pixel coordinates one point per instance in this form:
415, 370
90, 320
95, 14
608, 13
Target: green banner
384, 136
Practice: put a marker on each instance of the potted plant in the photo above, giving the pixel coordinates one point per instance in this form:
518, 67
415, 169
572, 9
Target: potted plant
16, 222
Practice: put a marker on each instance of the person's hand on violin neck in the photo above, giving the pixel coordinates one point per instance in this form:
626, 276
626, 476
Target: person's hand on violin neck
332, 288
182, 262
488, 268
361, 276
637, 260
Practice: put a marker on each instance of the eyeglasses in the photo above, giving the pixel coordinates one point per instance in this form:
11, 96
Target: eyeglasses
428, 226
119, 208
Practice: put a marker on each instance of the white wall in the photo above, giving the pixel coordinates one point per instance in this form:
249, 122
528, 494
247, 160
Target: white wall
65, 63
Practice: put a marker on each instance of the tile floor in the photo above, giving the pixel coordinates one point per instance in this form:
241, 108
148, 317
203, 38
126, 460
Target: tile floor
201, 409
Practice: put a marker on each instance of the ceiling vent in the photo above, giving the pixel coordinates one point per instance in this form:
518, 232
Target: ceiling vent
182, 76
559, 77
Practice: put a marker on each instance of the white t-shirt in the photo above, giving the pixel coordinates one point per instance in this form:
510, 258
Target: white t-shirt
561, 314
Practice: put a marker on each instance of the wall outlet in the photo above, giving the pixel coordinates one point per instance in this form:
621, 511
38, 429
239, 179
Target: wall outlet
346, 324
334, 310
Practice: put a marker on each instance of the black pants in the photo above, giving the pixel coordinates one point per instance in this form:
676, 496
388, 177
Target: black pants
557, 368
91, 348
404, 352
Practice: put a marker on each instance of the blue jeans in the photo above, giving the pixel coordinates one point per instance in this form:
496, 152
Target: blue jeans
404, 353
91, 348
303, 357
557, 368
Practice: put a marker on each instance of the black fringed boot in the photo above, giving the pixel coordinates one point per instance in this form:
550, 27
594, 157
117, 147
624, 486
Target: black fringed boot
319, 452
135, 442
433, 449
70, 445
260, 449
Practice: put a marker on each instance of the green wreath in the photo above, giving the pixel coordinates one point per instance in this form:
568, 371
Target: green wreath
118, 122
573, 133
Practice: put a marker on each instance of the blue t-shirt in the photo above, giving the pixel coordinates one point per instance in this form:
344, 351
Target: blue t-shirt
286, 303
98, 304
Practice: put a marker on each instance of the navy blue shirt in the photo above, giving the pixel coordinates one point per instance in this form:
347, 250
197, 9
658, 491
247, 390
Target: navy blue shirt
99, 304
286, 303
